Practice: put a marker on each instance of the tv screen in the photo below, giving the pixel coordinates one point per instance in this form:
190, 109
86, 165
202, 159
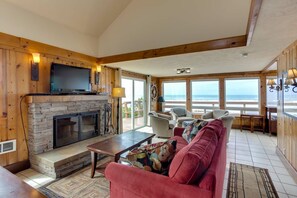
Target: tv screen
69, 79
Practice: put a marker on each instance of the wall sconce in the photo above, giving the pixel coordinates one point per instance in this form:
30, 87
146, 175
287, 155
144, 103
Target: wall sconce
287, 84
292, 76
97, 75
35, 67
273, 86
183, 70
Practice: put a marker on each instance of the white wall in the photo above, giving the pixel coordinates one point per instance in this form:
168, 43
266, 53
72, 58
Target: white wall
154, 24
22, 23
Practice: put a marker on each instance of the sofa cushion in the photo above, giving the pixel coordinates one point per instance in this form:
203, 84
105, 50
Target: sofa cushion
153, 157
216, 125
192, 161
192, 129
181, 143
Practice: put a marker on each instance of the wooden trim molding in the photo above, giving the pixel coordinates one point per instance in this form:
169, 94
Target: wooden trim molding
253, 17
133, 75
219, 75
231, 42
265, 69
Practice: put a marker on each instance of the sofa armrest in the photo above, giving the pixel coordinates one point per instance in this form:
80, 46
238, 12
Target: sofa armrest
161, 115
207, 115
173, 115
178, 131
147, 184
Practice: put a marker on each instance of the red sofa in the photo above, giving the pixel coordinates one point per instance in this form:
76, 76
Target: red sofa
206, 180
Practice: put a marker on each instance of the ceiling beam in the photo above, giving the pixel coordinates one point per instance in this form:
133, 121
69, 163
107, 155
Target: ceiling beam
266, 68
253, 17
236, 41
224, 43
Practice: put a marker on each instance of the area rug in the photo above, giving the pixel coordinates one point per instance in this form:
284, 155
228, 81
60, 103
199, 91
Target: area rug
79, 185
248, 181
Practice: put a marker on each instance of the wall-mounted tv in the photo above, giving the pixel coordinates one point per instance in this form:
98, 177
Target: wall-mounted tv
69, 79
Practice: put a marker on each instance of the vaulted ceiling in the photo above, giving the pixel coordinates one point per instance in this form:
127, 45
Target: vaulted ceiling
110, 27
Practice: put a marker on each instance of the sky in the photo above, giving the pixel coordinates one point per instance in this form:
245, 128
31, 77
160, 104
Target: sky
138, 87
233, 87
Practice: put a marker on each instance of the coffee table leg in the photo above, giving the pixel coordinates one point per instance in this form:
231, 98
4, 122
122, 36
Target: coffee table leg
149, 141
117, 158
94, 163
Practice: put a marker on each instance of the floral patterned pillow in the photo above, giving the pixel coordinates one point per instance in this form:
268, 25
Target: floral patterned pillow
192, 129
153, 157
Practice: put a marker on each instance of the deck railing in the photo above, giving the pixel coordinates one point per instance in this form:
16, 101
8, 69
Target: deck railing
200, 107
138, 109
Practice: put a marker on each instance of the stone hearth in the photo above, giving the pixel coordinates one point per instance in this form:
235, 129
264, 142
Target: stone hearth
41, 110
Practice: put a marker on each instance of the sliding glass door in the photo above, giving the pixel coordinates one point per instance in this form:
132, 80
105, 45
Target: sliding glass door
133, 106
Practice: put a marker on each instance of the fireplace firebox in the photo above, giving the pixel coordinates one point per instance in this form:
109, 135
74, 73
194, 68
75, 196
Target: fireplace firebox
73, 128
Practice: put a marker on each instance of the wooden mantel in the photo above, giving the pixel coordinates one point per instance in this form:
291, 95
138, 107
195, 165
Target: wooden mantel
63, 98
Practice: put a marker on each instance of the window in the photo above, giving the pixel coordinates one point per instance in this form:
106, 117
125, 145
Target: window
242, 96
205, 96
271, 95
174, 95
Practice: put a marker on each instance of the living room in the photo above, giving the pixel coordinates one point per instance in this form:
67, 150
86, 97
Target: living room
198, 57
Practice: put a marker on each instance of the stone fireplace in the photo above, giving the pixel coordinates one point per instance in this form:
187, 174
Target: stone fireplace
65, 119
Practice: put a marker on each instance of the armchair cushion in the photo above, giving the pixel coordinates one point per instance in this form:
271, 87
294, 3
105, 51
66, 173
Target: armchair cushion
180, 112
192, 161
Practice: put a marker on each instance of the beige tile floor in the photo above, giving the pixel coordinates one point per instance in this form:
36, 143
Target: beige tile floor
255, 149
258, 149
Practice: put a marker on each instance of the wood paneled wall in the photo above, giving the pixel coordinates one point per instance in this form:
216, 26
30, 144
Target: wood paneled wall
287, 126
15, 82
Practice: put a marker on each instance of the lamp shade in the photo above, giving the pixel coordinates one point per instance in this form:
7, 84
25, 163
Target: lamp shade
271, 82
292, 73
118, 92
36, 57
160, 99
288, 81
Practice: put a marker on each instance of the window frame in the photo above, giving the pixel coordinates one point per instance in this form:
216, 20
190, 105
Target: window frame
259, 93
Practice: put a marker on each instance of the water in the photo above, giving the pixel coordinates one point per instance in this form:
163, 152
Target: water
212, 97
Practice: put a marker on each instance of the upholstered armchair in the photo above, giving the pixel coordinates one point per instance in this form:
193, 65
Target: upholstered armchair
180, 115
162, 124
223, 115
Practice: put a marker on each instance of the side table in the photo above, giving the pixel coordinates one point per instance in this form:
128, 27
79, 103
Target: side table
252, 119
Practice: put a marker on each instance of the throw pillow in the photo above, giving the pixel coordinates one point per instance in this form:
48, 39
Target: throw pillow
153, 157
192, 129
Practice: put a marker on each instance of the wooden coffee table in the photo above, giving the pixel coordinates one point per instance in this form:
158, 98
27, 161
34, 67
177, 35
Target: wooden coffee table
12, 186
117, 145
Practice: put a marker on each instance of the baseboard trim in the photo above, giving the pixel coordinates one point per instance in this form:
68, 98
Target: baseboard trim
18, 166
287, 164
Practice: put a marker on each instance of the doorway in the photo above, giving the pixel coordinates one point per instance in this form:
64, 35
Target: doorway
133, 106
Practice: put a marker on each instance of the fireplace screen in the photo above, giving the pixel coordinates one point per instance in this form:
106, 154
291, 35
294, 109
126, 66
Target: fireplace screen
72, 128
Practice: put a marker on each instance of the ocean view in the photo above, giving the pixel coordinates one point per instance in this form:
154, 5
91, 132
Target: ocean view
212, 97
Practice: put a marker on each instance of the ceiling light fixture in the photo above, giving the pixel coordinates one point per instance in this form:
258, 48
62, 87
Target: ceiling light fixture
183, 70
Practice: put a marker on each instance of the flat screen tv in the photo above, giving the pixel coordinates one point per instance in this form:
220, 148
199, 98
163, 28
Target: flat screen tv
69, 79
